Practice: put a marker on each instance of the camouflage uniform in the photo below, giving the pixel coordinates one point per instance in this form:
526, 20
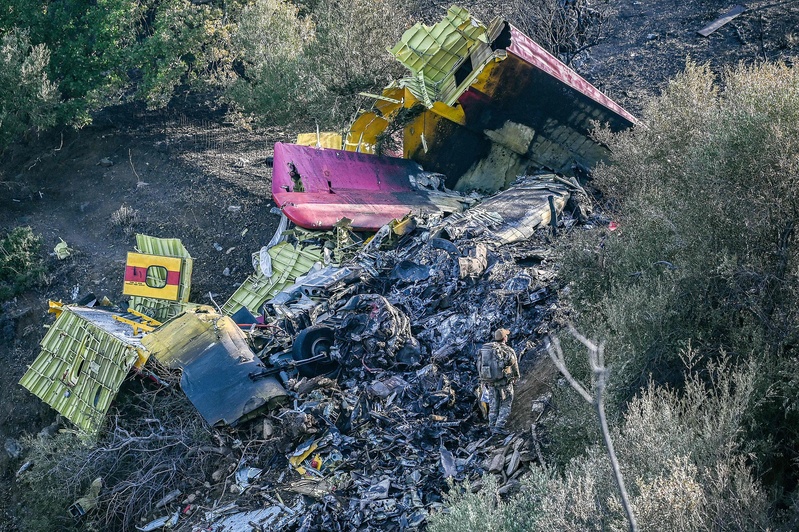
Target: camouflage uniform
500, 393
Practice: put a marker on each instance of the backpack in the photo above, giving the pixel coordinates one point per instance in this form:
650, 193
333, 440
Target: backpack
489, 367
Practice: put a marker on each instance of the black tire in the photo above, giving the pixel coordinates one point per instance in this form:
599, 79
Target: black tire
311, 342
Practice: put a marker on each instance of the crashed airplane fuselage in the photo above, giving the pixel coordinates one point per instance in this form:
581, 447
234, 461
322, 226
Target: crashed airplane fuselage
482, 105
485, 103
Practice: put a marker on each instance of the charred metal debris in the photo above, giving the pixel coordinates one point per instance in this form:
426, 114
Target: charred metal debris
359, 375
349, 352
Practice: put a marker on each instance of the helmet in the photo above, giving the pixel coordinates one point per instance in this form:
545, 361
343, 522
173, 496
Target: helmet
501, 334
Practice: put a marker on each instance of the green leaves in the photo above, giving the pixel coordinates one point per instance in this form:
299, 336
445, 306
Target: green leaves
306, 63
273, 61
28, 98
707, 255
74, 57
21, 265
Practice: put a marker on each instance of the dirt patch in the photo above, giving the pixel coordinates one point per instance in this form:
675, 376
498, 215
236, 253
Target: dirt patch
647, 43
535, 384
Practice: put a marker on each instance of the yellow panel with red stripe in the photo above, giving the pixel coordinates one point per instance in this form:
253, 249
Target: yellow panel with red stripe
152, 276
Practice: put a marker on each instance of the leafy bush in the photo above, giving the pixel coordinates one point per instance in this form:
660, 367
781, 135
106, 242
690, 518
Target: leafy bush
485, 510
184, 43
27, 96
97, 53
21, 265
277, 62
351, 43
706, 256
310, 64
278, 82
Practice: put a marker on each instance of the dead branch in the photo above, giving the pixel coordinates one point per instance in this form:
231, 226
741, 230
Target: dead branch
599, 374
144, 456
566, 29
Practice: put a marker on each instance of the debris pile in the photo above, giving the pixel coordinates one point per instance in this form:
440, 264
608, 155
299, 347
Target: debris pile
373, 362
374, 442
388, 448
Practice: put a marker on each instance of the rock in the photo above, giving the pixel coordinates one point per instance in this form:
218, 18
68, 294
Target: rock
226, 272
50, 430
234, 208
218, 246
268, 429
13, 448
105, 162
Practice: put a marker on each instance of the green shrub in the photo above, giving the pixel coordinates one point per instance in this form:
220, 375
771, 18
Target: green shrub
21, 265
27, 96
352, 41
485, 510
182, 43
311, 63
278, 83
73, 58
706, 253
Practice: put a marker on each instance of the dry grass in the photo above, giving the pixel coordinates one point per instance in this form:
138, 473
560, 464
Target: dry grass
126, 219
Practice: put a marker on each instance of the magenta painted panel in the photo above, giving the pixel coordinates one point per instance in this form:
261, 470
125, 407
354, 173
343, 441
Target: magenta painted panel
369, 190
525, 48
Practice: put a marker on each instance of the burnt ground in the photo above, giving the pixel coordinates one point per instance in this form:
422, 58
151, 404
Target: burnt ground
190, 174
647, 43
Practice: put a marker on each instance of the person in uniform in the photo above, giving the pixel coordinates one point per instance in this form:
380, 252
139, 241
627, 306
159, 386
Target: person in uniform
498, 370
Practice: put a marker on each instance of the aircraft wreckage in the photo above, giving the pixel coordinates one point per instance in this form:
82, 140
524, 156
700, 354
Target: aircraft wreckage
363, 314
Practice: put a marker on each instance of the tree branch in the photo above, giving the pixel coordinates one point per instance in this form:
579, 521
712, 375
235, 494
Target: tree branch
596, 358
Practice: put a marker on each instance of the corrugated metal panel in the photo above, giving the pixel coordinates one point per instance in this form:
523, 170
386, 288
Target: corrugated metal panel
84, 359
160, 309
169, 247
288, 263
434, 54
435, 51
